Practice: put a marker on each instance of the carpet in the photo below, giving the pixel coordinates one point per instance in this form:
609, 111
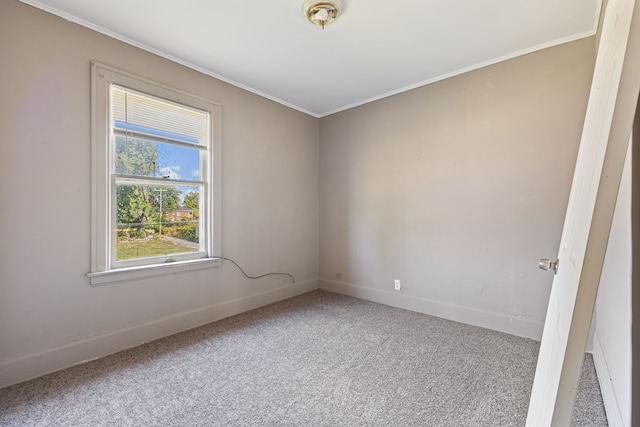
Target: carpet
319, 359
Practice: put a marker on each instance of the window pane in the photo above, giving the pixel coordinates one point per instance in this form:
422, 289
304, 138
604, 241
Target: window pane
156, 220
137, 156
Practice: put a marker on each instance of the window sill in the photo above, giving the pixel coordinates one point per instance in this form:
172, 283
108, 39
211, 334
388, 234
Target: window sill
142, 272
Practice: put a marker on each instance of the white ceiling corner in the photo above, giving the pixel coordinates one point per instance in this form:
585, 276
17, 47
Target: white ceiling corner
375, 48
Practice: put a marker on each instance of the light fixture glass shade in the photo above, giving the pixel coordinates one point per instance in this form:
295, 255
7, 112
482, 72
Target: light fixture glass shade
322, 15
321, 12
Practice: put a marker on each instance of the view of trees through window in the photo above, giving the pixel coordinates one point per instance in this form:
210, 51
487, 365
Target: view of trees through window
153, 218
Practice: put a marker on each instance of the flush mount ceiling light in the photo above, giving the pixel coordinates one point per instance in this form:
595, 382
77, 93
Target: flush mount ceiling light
321, 12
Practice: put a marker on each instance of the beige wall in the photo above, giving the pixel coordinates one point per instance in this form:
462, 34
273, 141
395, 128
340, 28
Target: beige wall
49, 315
457, 189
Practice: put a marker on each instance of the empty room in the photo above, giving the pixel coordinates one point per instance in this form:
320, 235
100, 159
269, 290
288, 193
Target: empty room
318, 213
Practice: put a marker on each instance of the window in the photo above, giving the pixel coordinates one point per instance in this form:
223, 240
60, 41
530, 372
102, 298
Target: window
155, 170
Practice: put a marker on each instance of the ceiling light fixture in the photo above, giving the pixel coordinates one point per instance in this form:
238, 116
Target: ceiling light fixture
321, 12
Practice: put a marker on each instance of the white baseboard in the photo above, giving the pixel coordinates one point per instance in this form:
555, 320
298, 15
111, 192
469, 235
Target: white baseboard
611, 407
499, 322
30, 366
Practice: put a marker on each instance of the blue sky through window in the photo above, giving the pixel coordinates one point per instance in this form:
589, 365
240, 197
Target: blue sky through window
174, 161
177, 162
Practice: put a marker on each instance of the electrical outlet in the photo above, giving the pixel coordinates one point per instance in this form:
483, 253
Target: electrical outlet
396, 284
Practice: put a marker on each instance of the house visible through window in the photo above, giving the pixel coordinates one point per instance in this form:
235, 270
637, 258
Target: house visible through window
155, 154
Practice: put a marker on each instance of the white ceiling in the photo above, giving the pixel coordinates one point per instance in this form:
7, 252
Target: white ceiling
376, 48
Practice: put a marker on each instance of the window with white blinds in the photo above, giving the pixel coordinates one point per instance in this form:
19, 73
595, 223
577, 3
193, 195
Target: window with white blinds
156, 163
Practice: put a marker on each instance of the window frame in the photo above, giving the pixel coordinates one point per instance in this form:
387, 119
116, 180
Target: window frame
104, 268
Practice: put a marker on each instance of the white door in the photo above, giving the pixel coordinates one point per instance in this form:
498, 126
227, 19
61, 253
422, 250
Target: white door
605, 137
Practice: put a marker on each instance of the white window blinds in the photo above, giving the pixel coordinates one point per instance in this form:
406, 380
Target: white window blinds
145, 114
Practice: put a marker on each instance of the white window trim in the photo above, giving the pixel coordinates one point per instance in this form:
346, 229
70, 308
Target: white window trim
102, 77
